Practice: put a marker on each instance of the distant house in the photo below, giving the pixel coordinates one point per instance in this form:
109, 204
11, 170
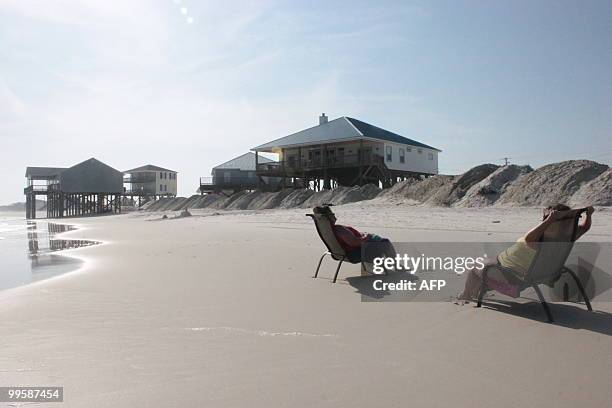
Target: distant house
346, 152
90, 187
234, 175
150, 180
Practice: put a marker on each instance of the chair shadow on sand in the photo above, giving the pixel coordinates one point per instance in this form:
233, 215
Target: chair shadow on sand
364, 284
572, 316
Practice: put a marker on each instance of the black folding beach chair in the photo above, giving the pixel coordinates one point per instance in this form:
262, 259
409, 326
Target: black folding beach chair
334, 249
547, 266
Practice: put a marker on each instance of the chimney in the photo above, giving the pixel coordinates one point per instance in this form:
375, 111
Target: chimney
322, 119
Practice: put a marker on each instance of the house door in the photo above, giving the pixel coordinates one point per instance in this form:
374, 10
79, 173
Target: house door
314, 158
291, 161
364, 154
340, 155
331, 157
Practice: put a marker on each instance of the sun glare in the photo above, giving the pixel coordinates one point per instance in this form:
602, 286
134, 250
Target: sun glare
184, 11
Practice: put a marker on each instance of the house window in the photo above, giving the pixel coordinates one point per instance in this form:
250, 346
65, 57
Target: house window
402, 155
409, 149
430, 156
419, 151
165, 187
161, 188
291, 161
389, 153
227, 176
161, 176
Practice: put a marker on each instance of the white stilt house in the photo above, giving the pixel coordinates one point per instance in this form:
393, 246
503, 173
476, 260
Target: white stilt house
346, 152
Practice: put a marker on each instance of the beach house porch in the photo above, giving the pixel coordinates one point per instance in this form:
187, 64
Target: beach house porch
345, 152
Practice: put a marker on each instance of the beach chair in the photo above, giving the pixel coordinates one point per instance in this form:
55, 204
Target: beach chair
547, 266
334, 249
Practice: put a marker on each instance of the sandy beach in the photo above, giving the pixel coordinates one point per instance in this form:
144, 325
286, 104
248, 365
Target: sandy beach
160, 158
221, 310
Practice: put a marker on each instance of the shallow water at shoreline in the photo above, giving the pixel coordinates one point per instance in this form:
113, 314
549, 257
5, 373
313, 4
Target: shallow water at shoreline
29, 250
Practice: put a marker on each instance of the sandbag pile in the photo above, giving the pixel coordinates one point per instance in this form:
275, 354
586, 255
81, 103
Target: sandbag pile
577, 182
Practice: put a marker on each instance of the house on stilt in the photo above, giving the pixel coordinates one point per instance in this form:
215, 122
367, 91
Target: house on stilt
90, 187
345, 152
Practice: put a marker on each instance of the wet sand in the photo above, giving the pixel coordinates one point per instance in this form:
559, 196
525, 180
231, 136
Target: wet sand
28, 250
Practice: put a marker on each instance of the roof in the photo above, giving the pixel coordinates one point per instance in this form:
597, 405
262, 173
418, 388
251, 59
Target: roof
342, 128
148, 167
48, 172
244, 162
374, 132
91, 176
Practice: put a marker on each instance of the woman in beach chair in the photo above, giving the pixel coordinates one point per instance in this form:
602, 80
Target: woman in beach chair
514, 263
346, 243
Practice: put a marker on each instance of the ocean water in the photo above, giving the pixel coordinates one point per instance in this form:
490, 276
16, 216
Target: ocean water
30, 250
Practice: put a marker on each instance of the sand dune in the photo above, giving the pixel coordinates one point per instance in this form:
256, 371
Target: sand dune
598, 191
579, 182
491, 188
552, 183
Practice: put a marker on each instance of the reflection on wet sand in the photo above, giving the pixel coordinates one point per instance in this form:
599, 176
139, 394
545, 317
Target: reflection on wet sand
42, 244
32, 253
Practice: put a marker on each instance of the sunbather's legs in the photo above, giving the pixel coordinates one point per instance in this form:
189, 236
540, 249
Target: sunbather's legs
472, 285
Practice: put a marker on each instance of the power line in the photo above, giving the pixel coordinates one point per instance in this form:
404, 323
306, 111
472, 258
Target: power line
506, 160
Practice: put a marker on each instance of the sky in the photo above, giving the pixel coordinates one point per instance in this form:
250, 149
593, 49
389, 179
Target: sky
187, 84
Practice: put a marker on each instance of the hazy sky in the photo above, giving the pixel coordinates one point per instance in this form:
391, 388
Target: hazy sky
190, 84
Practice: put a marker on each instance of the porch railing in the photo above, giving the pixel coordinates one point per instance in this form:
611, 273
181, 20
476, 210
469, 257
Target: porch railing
41, 188
140, 179
295, 166
219, 183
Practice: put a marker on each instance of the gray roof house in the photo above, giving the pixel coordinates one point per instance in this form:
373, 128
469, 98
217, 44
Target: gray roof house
148, 167
347, 151
150, 181
245, 162
89, 187
234, 175
90, 176
337, 130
